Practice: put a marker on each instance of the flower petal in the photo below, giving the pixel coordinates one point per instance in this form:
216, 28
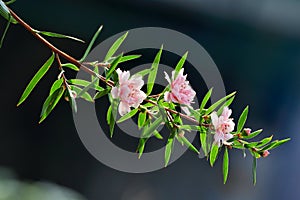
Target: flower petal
123, 108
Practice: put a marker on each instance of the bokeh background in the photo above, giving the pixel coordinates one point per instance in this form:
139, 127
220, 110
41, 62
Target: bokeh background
256, 46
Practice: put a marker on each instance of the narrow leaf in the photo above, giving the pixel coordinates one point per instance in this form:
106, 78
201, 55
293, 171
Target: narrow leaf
128, 58
242, 120
102, 93
57, 84
51, 102
226, 104
225, 165
70, 66
4, 33
149, 130
4, 11
58, 35
84, 95
253, 134
219, 102
169, 147
114, 111
203, 136
205, 100
113, 66
115, 47
187, 143
108, 115
157, 135
87, 51
190, 127
37, 77
152, 74
144, 72
128, 115
72, 100
213, 154
180, 63
142, 119
84, 83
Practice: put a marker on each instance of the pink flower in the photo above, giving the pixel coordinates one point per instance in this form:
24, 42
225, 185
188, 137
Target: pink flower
129, 91
223, 125
180, 90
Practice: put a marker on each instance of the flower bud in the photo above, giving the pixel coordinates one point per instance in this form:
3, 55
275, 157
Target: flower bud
265, 153
247, 131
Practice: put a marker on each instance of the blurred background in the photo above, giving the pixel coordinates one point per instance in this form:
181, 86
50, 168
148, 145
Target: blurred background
254, 43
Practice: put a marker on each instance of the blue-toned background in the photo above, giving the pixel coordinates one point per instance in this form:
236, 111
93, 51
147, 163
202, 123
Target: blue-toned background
256, 46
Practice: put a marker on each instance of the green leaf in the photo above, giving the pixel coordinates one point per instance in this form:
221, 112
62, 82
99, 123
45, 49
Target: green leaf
152, 74
169, 147
219, 102
85, 95
253, 134
225, 165
37, 77
128, 115
264, 141
51, 102
58, 35
203, 141
115, 47
114, 111
87, 51
242, 120
144, 72
187, 143
70, 66
4, 11
84, 83
147, 131
213, 154
4, 33
72, 100
142, 119
254, 166
89, 86
157, 135
113, 66
275, 144
57, 84
102, 93
190, 127
226, 104
128, 58
108, 114
180, 64
205, 100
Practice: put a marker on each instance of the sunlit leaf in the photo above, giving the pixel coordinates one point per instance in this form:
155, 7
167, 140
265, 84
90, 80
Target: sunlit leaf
275, 144
102, 93
213, 154
51, 102
226, 104
128, 115
113, 66
84, 83
115, 47
57, 84
58, 35
187, 143
225, 165
153, 72
180, 64
144, 72
157, 135
205, 100
242, 120
87, 51
128, 58
169, 147
70, 66
37, 77
190, 127
141, 119
253, 134
219, 102
114, 111
84, 95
